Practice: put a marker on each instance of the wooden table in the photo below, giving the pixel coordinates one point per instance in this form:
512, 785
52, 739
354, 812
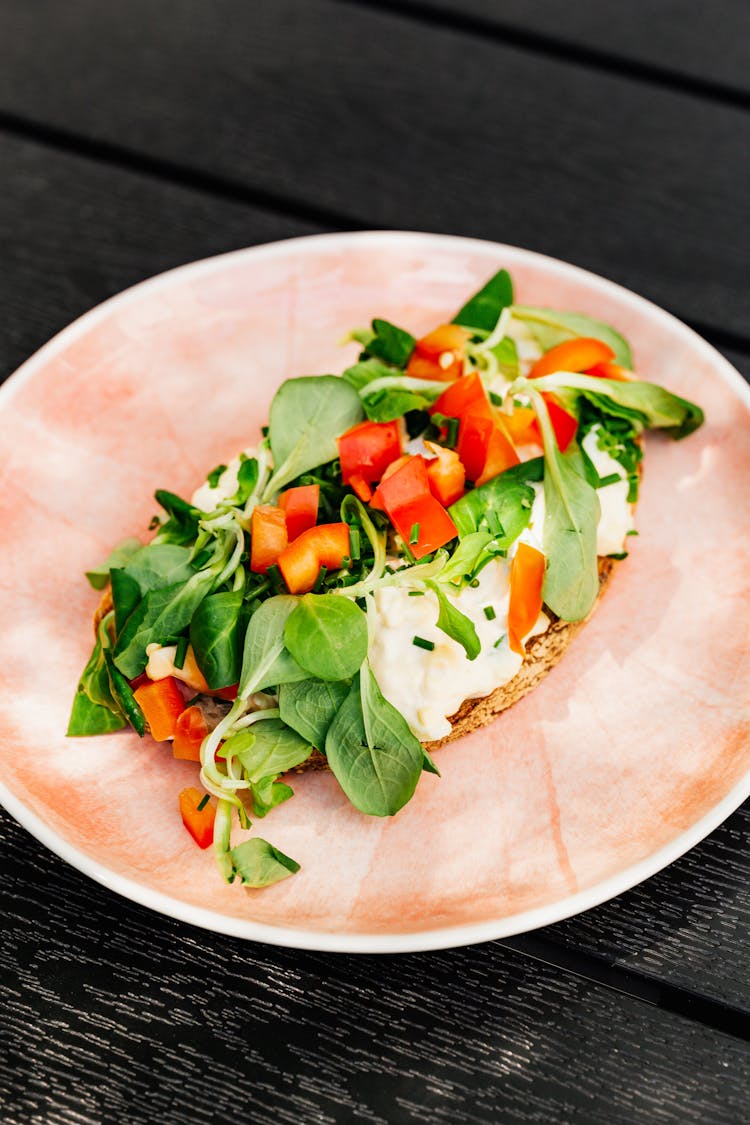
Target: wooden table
137, 136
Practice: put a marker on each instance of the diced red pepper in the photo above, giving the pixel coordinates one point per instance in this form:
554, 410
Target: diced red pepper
484, 448
526, 580
466, 396
190, 731
446, 474
407, 481
440, 354
426, 521
300, 506
361, 487
268, 537
564, 424
580, 354
612, 371
367, 449
412, 509
200, 825
325, 545
229, 693
162, 704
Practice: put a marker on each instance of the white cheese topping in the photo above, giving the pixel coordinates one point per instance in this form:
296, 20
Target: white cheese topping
616, 518
427, 687
207, 498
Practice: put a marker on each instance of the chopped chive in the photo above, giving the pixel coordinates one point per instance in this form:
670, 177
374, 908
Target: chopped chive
264, 431
202, 804
452, 435
202, 558
420, 642
631, 532
213, 477
181, 653
346, 562
389, 569
612, 478
416, 593
474, 583
274, 575
261, 588
354, 543
496, 399
489, 613
414, 534
253, 605
319, 580
499, 641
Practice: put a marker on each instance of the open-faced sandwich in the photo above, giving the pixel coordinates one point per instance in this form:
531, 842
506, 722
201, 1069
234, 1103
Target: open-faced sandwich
406, 551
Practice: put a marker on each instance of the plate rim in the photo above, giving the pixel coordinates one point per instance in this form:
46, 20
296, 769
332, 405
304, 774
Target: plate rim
416, 940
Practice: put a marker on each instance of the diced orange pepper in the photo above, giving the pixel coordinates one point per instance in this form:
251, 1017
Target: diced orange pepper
484, 448
189, 733
526, 580
268, 537
361, 487
466, 396
573, 355
446, 474
300, 506
522, 426
200, 825
162, 704
325, 545
612, 371
367, 450
440, 354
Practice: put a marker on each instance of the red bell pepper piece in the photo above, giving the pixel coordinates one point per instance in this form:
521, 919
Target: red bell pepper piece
413, 510
361, 487
466, 396
268, 537
526, 579
325, 545
162, 704
484, 448
229, 693
189, 733
446, 474
300, 506
573, 355
440, 354
367, 449
200, 825
564, 424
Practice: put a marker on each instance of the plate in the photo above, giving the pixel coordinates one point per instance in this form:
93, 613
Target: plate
628, 754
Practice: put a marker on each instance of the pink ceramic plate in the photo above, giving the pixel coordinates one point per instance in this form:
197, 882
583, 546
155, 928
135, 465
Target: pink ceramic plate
627, 755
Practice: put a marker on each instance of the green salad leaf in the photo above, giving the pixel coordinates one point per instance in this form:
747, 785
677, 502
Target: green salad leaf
181, 526
160, 617
266, 662
268, 748
327, 636
502, 505
120, 554
550, 327
482, 311
371, 750
256, 863
390, 343
216, 637
306, 417
455, 624
309, 707
367, 371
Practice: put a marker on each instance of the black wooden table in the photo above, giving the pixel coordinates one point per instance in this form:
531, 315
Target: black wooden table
137, 136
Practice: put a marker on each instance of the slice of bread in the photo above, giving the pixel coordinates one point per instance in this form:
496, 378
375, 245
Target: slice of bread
542, 653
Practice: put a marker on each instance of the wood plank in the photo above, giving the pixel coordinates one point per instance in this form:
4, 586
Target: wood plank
389, 122
99, 228
117, 1015
703, 45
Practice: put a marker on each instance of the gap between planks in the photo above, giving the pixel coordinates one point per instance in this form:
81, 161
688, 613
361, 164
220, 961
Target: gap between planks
540, 43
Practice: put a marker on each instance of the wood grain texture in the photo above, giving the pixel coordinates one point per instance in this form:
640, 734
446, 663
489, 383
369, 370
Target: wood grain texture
96, 229
116, 1014
674, 39
388, 122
